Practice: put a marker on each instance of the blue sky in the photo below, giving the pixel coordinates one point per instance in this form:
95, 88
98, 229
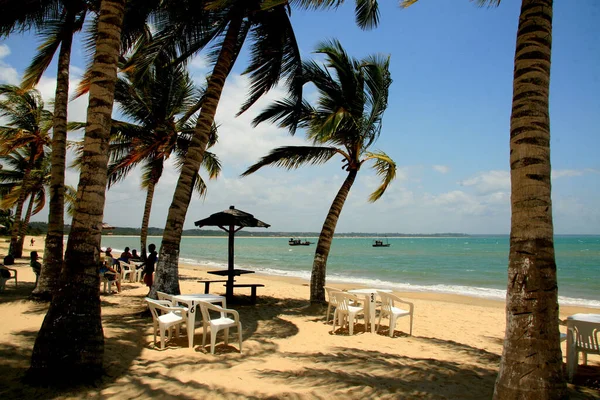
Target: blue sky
447, 126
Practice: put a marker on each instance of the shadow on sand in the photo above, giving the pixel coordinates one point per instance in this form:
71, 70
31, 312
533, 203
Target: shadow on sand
345, 372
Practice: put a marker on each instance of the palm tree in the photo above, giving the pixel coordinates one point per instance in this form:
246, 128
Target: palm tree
56, 22
70, 343
163, 102
532, 291
347, 122
27, 127
11, 184
274, 54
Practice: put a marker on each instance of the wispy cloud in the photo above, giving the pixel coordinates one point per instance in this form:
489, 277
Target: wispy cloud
442, 169
488, 182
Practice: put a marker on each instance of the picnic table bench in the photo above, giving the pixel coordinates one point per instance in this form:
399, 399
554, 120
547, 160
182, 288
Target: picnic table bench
252, 287
208, 282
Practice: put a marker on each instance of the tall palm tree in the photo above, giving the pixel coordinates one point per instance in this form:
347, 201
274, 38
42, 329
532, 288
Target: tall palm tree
56, 22
27, 127
163, 101
70, 343
346, 121
274, 54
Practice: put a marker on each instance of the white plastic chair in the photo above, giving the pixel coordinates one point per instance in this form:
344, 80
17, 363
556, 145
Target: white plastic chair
165, 317
127, 271
332, 302
217, 324
108, 282
3, 279
585, 341
389, 310
165, 297
348, 309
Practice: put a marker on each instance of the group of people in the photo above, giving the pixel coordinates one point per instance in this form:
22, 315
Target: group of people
113, 265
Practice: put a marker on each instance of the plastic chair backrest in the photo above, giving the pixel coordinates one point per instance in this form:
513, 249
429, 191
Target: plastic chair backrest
154, 307
343, 300
330, 291
165, 296
586, 336
387, 301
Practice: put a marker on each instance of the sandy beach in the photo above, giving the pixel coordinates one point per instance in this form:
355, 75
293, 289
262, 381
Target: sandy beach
288, 349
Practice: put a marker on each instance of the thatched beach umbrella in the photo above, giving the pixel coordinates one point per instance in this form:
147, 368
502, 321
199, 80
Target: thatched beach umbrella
231, 221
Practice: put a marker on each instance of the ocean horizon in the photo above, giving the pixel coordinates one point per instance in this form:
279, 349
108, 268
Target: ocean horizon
474, 265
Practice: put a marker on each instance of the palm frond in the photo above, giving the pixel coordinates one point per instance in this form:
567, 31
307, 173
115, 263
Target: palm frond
291, 157
384, 167
274, 55
52, 32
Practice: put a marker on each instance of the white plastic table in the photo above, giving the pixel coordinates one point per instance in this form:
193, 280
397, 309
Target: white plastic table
572, 320
191, 301
370, 300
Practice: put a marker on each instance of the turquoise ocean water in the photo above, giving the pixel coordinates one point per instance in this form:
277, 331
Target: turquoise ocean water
474, 266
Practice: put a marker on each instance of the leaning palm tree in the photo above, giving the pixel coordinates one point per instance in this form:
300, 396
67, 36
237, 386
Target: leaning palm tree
274, 54
70, 343
27, 127
346, 122
162, 102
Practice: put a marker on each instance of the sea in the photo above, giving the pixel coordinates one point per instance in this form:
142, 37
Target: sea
472, 266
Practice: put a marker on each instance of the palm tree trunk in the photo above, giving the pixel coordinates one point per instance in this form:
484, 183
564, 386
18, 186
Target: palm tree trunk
53, 251
70, 343
146, 217
317, 277
14, 249
25, 223
531, 365
167, 272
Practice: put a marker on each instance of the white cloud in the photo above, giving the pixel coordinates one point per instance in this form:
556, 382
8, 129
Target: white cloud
8, 74
442, 169
488, 182
561, 173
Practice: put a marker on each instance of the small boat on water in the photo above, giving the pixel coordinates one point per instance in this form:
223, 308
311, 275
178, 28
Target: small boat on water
298, 242
380, 243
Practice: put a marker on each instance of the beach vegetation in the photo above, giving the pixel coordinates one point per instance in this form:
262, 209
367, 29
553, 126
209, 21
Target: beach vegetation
274, 54
346, 121
55, 23
26, 135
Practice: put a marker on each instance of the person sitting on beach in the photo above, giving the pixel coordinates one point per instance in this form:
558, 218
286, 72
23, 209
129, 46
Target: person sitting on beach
113, 261
149, 266
134, 255
126, 255
111, 274
35, 265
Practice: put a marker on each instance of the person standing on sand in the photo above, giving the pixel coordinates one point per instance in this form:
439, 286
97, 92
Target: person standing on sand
149, 268
32, 242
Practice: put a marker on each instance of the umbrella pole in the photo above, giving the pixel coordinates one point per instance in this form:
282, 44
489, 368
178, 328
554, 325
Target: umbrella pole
229, 288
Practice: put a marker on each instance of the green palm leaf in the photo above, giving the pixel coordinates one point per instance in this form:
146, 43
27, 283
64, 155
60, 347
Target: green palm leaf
291, 157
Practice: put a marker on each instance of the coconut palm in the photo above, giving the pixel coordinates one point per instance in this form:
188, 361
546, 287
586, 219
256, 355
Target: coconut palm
162, 101
27, 127
346, 121
11, 184
56, 22
70, 343
274, 54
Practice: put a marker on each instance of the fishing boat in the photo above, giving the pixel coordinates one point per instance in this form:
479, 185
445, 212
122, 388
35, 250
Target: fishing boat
298, 242
381, 243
